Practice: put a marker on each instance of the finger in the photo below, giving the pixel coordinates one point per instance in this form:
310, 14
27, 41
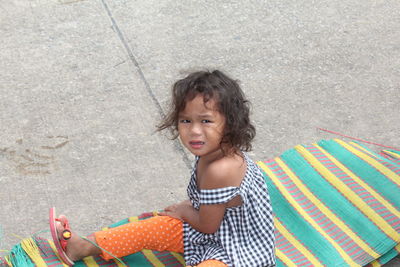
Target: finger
170, 208
170, 214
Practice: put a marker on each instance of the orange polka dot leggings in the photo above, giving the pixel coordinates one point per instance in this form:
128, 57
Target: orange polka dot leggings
156, 233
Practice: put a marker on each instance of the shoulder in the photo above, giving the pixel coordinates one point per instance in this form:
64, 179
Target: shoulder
224, 172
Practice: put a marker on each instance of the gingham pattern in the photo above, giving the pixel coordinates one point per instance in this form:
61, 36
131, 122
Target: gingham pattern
246, 235
218, 195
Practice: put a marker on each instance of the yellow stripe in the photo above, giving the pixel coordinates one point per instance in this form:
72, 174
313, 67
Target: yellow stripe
133, 219
292, 240
375, 194
89, 261
383, 169
293, 202
371, 153
326, 211
8, 261
119, 263
397, 247
53, 247
395, 155
284, 258
363, 149
375, 263
179, 257
105, 228
351, 196
152, 258
30, 247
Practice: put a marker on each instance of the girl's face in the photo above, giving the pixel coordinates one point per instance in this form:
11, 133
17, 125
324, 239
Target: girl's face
201, 127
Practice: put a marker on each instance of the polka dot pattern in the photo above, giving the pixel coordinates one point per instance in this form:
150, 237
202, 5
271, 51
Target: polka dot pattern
157, 233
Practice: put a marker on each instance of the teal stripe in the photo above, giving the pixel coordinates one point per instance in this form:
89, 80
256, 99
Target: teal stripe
337, 203
125, 221
137, 259
279, 263
391, 160
391, 254
394, 151
394, 160
301, 229
18, 257
366, 172
368, 149
79, 264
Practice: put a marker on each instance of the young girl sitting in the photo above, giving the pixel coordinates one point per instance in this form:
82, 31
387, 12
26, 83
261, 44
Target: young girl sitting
227, 220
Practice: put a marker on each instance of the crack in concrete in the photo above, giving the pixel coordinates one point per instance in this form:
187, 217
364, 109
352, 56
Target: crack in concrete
177, 144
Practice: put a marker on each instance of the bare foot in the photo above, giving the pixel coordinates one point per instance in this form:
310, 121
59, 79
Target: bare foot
77, 247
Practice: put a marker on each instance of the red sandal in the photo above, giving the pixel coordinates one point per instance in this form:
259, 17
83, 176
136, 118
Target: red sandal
60, 243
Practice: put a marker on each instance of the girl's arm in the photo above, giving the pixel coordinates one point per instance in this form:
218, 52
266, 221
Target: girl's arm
209, 217
206, 220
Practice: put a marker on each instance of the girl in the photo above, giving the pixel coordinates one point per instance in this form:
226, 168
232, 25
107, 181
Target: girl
227, 220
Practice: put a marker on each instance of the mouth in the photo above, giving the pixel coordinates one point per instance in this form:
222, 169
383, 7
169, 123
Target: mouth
196, 144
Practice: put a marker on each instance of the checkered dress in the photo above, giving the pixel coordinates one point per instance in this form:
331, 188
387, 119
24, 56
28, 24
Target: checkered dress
246, 235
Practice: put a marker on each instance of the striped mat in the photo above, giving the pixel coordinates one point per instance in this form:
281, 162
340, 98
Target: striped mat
336, 203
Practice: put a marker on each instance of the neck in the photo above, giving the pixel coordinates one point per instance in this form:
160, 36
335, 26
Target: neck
220, 153
213, 156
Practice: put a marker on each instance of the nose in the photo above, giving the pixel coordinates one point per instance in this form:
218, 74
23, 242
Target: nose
195, 129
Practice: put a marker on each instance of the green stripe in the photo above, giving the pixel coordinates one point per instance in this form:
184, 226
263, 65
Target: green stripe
301, 229
369, 174
338, 204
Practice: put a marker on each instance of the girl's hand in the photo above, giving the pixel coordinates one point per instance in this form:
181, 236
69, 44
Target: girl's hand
176, 210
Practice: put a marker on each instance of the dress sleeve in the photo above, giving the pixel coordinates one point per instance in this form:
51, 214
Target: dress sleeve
218, 195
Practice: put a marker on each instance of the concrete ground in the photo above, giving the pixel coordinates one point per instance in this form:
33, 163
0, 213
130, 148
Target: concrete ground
83, 84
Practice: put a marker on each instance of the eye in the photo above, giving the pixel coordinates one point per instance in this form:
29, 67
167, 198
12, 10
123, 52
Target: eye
184, 121
206, 121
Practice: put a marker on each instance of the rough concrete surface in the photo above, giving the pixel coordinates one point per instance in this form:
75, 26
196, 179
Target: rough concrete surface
83, 84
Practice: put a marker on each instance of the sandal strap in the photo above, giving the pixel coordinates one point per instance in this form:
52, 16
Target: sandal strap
67, 230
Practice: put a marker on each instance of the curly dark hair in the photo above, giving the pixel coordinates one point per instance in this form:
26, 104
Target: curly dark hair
230, 99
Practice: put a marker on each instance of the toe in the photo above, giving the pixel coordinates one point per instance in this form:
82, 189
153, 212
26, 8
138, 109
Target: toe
61, 225
62, 218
